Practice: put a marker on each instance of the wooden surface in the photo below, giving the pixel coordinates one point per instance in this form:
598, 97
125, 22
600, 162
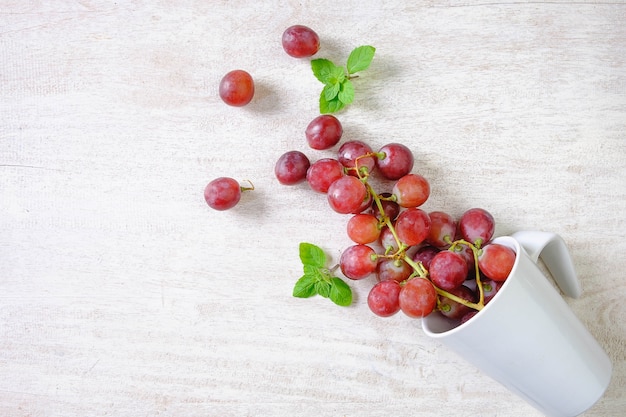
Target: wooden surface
123, 294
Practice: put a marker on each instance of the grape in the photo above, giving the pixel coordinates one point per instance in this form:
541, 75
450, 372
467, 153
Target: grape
442, 229
490, 289
448, 270
425, 254
391, 208
347, 194
236, 88
300, 41
387, 240
397, 162
222, 193
477, 226
453, 309
417, 298
393, 269
383, 298
322, 173
352, 153
468, 316
291, 168
323, 132
412, 190
412, 226
358, 262
496, 261
363, 228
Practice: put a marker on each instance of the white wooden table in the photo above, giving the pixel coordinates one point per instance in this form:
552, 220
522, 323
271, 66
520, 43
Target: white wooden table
123, 294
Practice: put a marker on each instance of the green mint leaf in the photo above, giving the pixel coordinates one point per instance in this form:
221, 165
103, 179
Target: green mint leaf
346, 92
330, 106
340, 292
360, 58
323, 288
330, 91
305, 287
312, 255
337, 75
322, 69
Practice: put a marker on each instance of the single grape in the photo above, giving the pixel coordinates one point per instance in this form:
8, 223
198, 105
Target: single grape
347, 194
291, 168
490, 289
468, 316
236, 88
396, 162
323, 132
477, 226
448, 270
222, 193
453, 309
412, 190
387, 240
300, 41
412, 226
358, 262
425, 255
442, 229
363, 228
383, 298
496, 261
418, 298
393, 269
352, 156
322, 173
390, 207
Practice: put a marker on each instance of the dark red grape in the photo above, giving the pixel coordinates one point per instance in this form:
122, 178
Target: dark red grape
396, 162
453, 309
323, 132
425, 254
222, 193
391, 208
477, 226
448, 270
300, 41
291, 168
236, 88
352, 156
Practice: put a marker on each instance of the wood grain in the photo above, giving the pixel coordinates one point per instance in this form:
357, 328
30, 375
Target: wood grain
122, 294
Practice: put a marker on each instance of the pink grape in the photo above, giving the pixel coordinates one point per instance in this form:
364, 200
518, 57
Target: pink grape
322, 173
496, 261
222, 193
324, 132
418, 298
442, 229
346, 195
477, 226
412, 190
393, 269
363, 228
412, 226
352, 156
358, 262
236, 88
300, 41
291, 168
397, 161
448, 270
383, 298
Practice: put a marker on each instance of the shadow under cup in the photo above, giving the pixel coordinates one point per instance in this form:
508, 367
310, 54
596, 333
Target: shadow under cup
528, 339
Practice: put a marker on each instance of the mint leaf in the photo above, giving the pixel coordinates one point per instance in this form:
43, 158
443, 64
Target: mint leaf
322, 69
330, 106
312, 255
337, 75
331, 91
360, 58
305, 287
346, 92
340, 292
323, 288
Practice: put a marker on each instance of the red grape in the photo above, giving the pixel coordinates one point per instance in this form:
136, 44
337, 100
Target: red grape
291, 168
387, 240
347, 194
236, 88
442, 229
425, 254
383, 298
394, 269
323, 132
477, 226
363, 228
496, 261
448, 270
391, 208
412, 190
453, 309
222, 193
490, 289
352, 153
300, 41
397, 162
417, 298
358, 262
412, 226
322, 173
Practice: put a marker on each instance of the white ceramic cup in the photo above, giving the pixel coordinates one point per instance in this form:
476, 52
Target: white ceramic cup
527, 338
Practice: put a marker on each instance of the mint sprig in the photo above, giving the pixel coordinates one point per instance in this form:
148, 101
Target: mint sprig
319, 280
338, 89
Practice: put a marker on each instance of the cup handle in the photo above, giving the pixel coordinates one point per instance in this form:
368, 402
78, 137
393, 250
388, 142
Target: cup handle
555, 255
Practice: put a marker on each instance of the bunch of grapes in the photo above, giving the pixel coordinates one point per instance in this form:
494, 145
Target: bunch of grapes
423, 261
